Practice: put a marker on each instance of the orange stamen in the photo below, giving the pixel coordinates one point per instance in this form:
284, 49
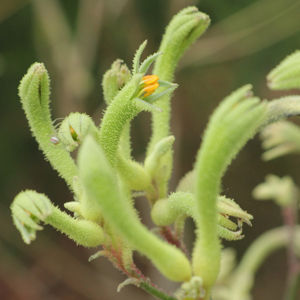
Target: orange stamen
149, 79
148, 84
148, 90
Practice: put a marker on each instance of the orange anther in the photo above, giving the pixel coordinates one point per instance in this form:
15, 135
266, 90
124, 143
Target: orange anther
148, 90
148, 86
150, 79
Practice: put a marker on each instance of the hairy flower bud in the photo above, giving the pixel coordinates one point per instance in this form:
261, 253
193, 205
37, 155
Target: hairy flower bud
74, 128
114, 79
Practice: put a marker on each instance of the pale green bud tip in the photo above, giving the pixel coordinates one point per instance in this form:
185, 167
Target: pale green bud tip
184, 29
202, 23
39, 68
164, 145
194, 12
287, 74
115, 79
161, 213
73, 207
120, 70
28, 208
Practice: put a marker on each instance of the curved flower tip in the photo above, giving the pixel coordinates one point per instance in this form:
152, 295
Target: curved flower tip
228, 208
28, 209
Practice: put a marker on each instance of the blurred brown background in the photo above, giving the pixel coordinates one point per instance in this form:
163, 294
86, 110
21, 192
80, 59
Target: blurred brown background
78, 41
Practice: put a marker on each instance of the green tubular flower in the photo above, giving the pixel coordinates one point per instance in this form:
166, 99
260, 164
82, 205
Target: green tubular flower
99, 181
107, 176
182, 31
232, 124
34, 91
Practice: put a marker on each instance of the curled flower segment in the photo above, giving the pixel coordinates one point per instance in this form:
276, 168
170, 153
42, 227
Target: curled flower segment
148, 86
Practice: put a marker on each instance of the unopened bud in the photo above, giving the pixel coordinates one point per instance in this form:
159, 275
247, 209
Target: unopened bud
74, 128
114, 79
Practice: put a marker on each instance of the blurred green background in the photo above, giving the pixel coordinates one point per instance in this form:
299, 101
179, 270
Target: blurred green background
78, 41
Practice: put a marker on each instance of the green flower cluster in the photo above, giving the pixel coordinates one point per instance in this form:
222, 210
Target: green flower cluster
105, 178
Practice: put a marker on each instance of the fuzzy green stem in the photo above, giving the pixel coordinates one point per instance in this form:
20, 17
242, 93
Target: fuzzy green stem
83, 232
113, 81
125, 143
